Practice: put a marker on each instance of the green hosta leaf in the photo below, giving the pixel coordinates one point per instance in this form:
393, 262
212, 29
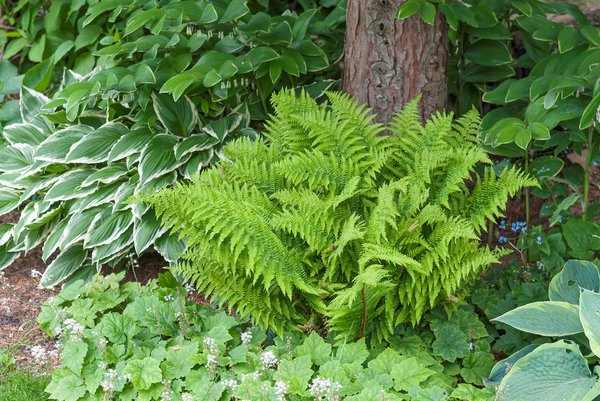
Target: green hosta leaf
144, 372
589, 313
408, 374
450, 343
576, 275
179, 117
530, 380
548, 318
9, 200
158, 158
73, 354
69, 186
130, 144
106, 175
316, 348
476, 367
56, 147
114, 250
96, 146
64, 266
7, 257
23, 134
108, 228
146, 231
194, 144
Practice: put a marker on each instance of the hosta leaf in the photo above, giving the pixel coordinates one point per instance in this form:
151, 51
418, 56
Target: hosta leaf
170, 247
5, 233
106, 175
130, 143
68, 186
158, 158
146, 231
576, 275
589, 313
56, 147
96, 146
179, 117
144, 372
114, 250
53, 240
77, 227
23, 134
64, 266
552, 372
194, 144
7, 257
548, 318
9, 200
16, 158
108, 228
503, 367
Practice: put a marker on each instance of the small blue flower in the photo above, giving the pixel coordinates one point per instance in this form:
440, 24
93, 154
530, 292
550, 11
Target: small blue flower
502, 239
502, 225
539, 240
548, 169
595, 164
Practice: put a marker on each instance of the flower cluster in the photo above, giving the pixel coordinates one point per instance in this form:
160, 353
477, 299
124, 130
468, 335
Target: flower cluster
108, 384
230, 384
544, 170
210, 346
518, 226
246, 337
74, 328
269, 360
325, 389
281, 389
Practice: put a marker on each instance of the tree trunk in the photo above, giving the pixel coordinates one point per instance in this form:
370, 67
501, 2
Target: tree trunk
389, 62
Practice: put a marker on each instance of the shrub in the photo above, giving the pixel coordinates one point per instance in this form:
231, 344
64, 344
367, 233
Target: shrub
169, 86
572, 310
331, 218
133, 342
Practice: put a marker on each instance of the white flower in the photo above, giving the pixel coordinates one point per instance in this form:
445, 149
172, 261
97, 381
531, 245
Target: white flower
35, 273
74, 327
281, 389
247, 337
269, 360
168, 297
187, 397
325, 389
230, 384
38, 353
108, 384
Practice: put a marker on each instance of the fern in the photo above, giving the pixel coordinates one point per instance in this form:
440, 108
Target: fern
329, 219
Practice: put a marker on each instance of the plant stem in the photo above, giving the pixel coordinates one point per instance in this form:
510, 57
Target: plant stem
588, 166
525, 253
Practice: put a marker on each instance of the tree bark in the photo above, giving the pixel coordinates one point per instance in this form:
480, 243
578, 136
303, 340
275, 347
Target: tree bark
389, 62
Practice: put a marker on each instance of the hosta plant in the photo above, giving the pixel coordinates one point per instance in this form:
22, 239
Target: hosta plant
330, 218
169, 86
558, 370
133, 342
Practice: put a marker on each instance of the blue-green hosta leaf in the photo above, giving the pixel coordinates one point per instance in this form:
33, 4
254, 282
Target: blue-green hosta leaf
409, 373
547, 318
575, 276
69, 186
23, 134
180, 117
56, 147
108, 228
144, 372
146, 231
106, 175
64, 266
552, 372
130, 144
96, 145
9, 200
158, 158
589, 313
194, 144
501, 368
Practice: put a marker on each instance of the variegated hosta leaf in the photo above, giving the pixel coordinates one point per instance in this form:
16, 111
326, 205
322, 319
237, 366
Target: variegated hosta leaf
106, 175
158, 158
7, 257
170, 247
56, 147
69, 186
95, 146
130, 144
23, 134
194, 144
5, 233
145, 231
9, 200
15, 158
107, 229
78, 227
65, 264
179, 117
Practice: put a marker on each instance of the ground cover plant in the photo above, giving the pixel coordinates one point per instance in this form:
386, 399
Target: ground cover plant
328, 217
20, 384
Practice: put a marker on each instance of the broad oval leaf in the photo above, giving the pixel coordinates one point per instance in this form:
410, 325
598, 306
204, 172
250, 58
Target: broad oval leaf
108, 228
130, 144
552, 372
96, 146
56, 147
194, 144
9, 200
179, 117
548, 318
23, 134
106, 175
576, 275
146, 231
589, 313
158, 158
64, 266
69, 186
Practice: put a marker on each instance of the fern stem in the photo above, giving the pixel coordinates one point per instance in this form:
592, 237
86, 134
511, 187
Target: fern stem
363, 323
490, 233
